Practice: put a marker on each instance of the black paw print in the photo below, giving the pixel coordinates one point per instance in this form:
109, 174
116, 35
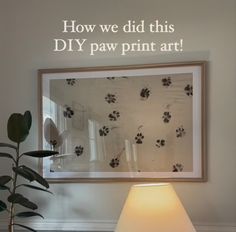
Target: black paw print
114, 115
114, 162
110, 98
160, 143
104, 131
178, 168
53, 143
180, 132
145, 93
70, 81
166, 117
68, 112
79, 150
111, 78
189, 90
139, 138
166, 81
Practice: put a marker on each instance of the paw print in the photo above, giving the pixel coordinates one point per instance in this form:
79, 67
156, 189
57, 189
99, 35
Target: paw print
70, 81
114, 162
166, 81
113, 78
139, 138
68, 112
110, 98
189, 90
110, 78
114, 115
180, 132
160, 143
166, 117
145, 93
178, 168
104, 131
79, 150
53, 143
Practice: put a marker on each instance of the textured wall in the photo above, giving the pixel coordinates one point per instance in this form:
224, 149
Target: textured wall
209, 33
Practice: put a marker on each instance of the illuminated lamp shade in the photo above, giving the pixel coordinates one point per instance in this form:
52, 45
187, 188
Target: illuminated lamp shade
153, 208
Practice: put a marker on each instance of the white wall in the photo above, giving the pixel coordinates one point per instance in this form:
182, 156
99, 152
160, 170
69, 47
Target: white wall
27, 29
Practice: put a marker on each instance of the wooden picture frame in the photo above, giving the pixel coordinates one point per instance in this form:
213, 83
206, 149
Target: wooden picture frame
124, 123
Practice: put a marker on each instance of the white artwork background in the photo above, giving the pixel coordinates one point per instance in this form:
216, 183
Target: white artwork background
86, 98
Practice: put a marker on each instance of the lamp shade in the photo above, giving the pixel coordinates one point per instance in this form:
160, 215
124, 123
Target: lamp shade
153, 208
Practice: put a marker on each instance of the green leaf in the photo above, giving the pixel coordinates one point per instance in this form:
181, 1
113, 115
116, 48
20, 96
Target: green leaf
6, 155
36, 176
25, 227
28, 214
20, 170
40, 154
8, 145
30, 175
5, 179
35, 187
17, 128
3, 187
17, 198
28, 119
28, 204
3, 206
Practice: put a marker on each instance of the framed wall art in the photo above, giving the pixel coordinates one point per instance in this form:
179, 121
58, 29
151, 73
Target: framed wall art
125, 123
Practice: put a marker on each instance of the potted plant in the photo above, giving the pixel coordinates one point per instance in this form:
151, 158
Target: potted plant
18, 128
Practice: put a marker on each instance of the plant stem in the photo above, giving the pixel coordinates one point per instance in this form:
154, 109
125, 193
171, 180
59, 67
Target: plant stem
11, 219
